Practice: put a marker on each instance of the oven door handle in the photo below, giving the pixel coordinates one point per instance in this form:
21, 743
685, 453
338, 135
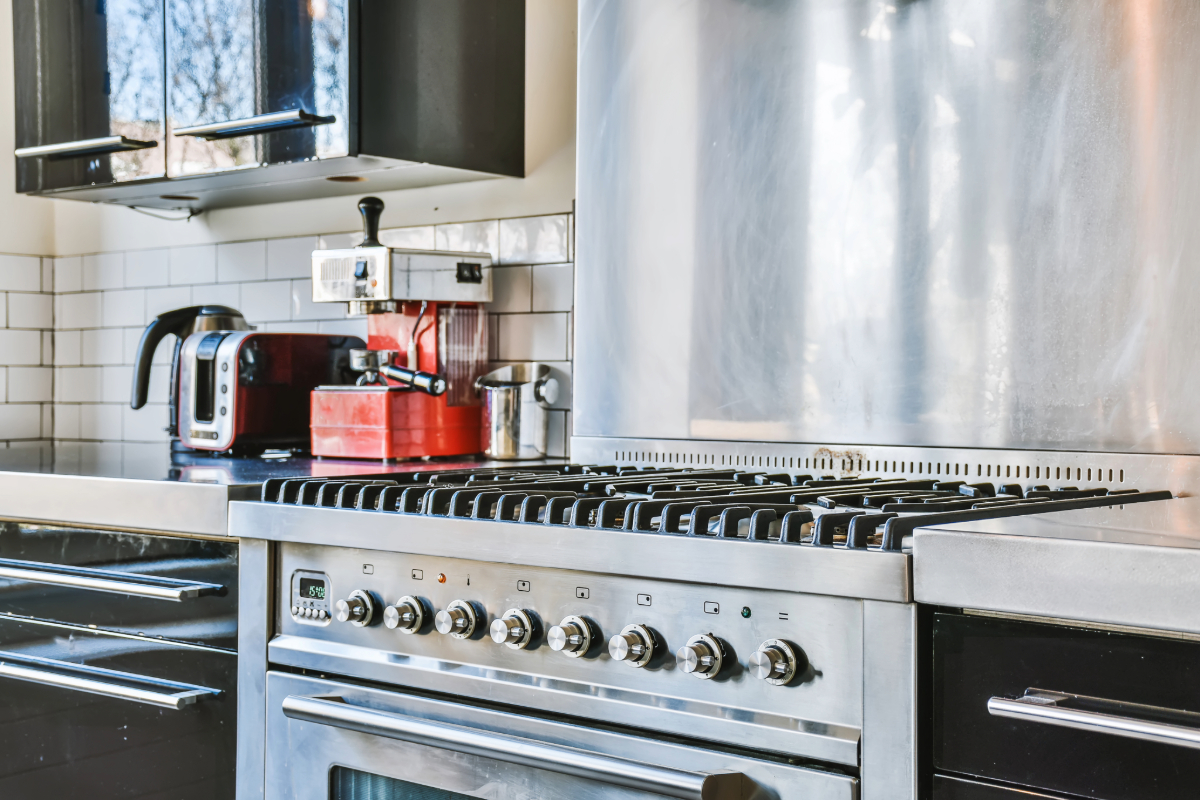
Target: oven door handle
102, 580
105, 682
336, 712
1054, 708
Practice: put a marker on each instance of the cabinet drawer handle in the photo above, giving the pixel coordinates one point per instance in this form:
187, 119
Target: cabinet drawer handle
84, 147
1097, 715
106, 682
102, 580
263, 123
337, 713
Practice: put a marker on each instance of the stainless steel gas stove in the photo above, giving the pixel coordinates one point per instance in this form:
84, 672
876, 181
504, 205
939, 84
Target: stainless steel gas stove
571, 631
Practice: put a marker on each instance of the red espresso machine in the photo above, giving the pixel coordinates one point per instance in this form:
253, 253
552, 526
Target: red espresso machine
427, 343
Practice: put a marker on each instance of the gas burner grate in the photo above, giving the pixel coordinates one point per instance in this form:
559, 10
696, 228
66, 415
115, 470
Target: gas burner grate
729, 504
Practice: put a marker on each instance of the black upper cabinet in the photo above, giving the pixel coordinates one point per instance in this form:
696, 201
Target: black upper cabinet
255, 83
89, 88
230, 102
446, 78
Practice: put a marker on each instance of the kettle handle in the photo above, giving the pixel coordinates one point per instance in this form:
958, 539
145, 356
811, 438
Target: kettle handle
178, 322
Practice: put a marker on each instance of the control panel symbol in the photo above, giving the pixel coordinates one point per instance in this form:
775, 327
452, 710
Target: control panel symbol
712, 608
522, 586
643, 599
418, 574
368, 569
582, 593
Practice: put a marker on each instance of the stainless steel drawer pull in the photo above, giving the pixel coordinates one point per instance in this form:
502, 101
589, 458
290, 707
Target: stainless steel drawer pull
337, 713
106, 682
1129, 720
263, 123
102, 580
84, 147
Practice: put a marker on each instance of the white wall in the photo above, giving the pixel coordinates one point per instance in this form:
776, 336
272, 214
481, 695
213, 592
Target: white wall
116, 268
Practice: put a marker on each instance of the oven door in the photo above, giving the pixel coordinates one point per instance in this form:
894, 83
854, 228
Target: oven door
329, 740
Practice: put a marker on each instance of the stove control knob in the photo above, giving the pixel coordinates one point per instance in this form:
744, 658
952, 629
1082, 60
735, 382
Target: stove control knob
573, 636
634, 645
702, 656
776, 662
357, 609
457, 619
407, 616
515, 629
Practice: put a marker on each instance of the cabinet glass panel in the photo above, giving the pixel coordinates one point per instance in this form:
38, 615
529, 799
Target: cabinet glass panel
88, 70
248, 62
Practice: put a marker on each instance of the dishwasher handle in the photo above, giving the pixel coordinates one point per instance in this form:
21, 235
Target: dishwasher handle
102, 580
336, 712
1112, 717
104, 682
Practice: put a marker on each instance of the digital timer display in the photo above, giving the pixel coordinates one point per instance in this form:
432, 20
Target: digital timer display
312, 589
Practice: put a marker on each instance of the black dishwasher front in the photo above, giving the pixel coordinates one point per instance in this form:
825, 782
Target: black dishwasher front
118, 664
1023, 706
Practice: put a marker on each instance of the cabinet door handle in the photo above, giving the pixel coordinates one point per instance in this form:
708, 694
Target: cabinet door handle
1113, 717
102, 580
84, 147
263, 123
105, 682
337, 713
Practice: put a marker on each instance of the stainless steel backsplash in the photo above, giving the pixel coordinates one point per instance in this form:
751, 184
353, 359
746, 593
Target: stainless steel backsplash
949, 223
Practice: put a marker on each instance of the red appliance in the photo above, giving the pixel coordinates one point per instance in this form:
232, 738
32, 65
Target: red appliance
236, 390
427, 343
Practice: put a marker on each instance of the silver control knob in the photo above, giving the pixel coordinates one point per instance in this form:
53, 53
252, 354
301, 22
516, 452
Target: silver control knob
515, 629
357, 609
457, 619
776, 662
634, 645
702, 656
572, 636
407, 615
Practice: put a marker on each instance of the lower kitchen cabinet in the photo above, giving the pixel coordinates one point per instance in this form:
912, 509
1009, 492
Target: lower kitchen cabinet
1105, 683
958, 789
103, 715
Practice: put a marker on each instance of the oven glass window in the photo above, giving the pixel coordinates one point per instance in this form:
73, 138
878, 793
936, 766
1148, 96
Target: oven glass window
349, 784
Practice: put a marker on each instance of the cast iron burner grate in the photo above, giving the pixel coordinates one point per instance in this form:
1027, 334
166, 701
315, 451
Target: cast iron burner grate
730, 504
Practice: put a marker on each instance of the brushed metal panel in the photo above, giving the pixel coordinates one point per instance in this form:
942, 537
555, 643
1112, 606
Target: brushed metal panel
890, 707
1131, 565
870, 575
818, 716
1146, 472
954, 224
301, 754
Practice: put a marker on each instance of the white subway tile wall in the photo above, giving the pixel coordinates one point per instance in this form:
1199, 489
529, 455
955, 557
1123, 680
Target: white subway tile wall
100, 304
26, 348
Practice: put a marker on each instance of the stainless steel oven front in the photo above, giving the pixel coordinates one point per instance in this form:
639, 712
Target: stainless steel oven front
338, 740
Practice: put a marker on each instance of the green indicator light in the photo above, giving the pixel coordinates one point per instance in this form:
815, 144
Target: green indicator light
746, 612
